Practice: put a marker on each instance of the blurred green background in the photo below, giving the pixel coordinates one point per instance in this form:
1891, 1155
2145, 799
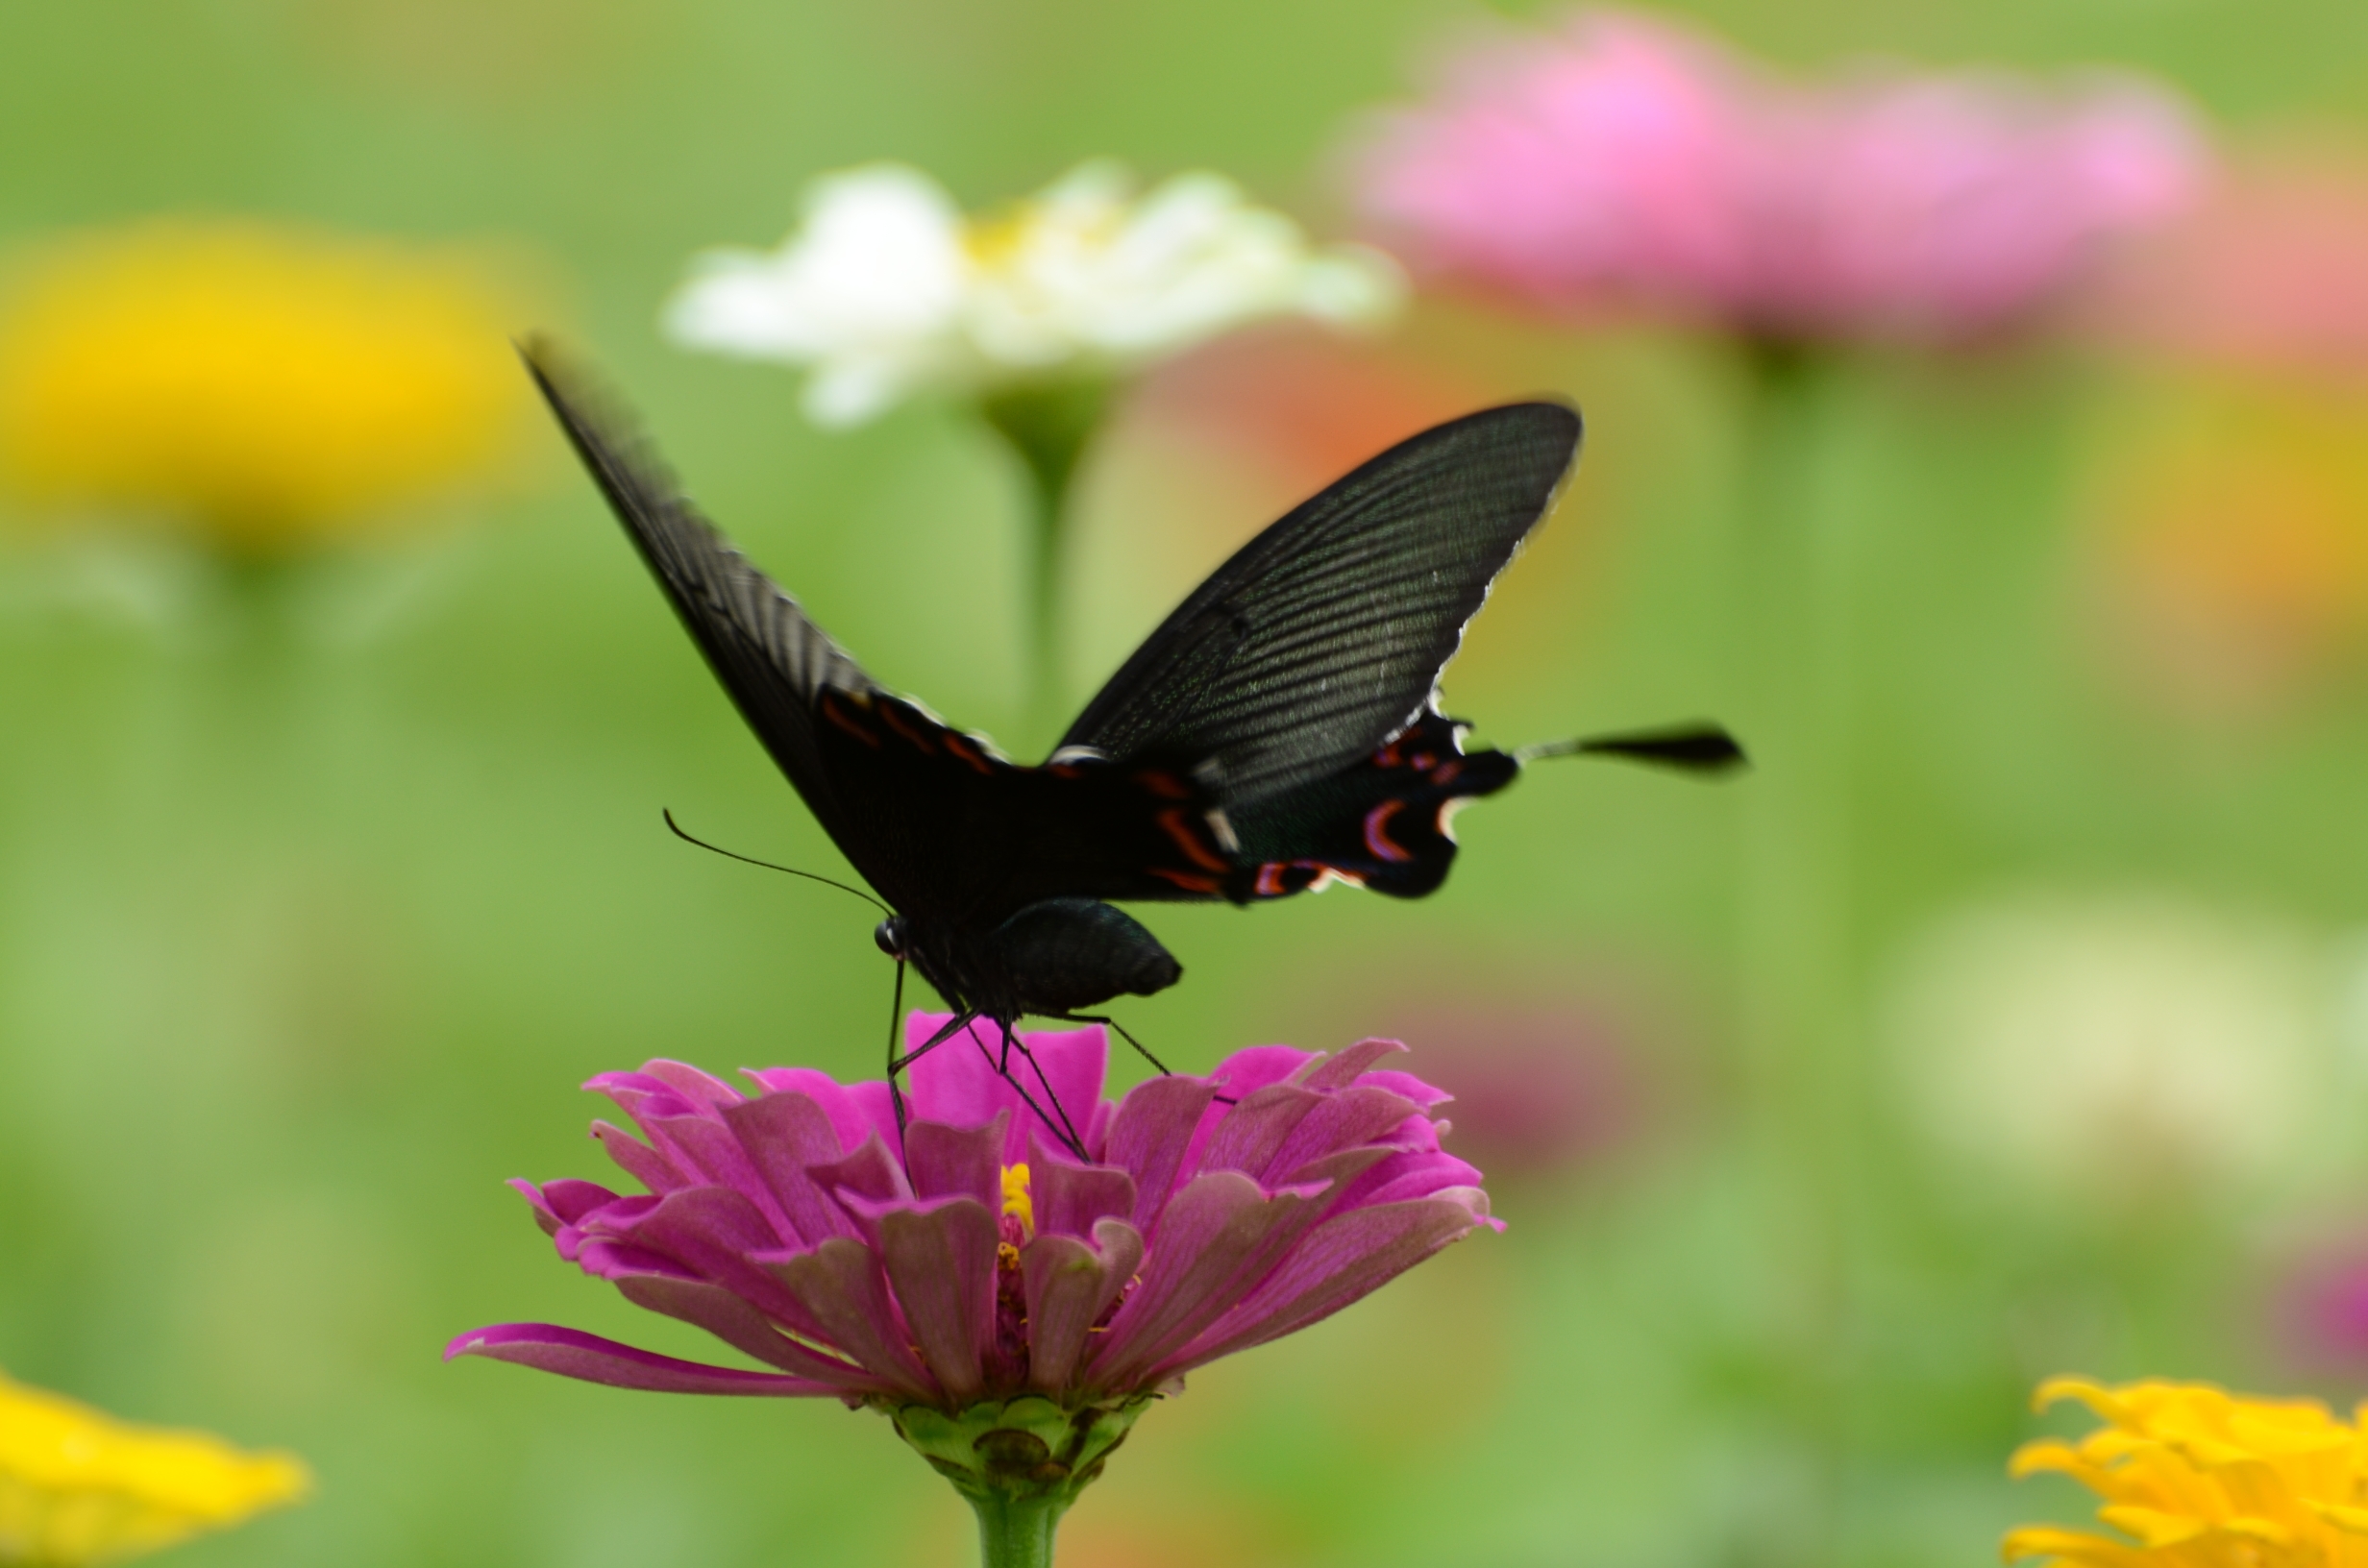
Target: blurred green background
311, 916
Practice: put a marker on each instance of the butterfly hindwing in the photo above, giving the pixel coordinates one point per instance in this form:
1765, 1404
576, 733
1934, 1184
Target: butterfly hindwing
1380, 824
1324, 635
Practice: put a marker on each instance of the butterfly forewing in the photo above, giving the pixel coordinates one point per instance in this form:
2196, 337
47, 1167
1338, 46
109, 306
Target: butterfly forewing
773, 659
1324, 635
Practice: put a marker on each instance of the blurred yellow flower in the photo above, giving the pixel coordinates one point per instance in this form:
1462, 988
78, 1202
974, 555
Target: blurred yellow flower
77, 1486
2196, 1478
270, 386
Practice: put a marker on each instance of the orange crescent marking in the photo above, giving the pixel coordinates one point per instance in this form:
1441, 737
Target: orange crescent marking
1376, 838
1172, 820
1447, 772
1270, 881
1189, 882
831, 711
888, 717
961, 749
1163, 785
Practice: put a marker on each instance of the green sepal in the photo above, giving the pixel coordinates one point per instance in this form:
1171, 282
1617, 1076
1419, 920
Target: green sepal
1025, 1449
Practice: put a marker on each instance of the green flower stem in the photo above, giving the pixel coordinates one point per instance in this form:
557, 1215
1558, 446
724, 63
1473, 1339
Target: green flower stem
1020, 1462
1017, 1533
1794, 602
1048, 427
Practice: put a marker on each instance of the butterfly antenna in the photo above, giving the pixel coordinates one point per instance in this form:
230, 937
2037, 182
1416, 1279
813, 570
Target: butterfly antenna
810, 876
1705, 750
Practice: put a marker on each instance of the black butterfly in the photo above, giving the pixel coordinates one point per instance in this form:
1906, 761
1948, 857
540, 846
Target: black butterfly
1280, 730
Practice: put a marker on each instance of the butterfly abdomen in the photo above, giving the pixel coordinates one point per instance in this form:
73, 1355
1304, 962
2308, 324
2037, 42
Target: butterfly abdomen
1053, 957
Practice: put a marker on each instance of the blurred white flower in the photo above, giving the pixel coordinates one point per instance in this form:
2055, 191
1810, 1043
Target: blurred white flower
2117, 1049
886, 289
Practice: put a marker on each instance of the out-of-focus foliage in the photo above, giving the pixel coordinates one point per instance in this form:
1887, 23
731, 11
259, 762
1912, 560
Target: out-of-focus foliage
304, 940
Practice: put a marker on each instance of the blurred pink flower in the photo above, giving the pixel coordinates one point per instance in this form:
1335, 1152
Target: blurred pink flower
1626, 160
1537, 1088
2322, 1313
2270, 273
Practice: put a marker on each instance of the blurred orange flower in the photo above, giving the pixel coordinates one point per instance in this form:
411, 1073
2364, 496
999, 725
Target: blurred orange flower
2232, 516
266, 385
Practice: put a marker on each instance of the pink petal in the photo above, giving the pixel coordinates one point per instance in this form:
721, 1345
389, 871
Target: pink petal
850, 1117
1348, 1256
841, 1288
741, 1326
784, 1134
1150, 1135
957, 1082
945, 1160
941, 1262
1069, 1200
550, 1348
637, 1160
1068, 1284
1219, 1236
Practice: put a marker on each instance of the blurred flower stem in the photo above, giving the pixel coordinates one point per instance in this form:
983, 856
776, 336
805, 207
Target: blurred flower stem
1791, 607
1048, 427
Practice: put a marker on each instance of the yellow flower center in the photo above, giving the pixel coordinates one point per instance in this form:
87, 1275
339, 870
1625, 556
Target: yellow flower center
1017, 1203
991, 241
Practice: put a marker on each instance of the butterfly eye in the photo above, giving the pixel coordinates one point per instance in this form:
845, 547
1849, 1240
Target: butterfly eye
890, 935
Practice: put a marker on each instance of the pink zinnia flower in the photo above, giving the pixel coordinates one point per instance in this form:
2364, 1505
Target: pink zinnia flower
1626, 160
1011, 1307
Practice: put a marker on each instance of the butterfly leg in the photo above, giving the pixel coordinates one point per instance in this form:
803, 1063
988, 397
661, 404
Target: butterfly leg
898, 1063
1140, 1049
1067, 1130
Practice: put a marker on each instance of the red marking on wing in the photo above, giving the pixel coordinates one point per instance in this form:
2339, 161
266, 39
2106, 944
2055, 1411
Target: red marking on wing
1180, 831
1269, 883
1064, 769
962, 750
1191, 883
1447, 771
1163, 785
837, 715
888, 717
1376, 839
